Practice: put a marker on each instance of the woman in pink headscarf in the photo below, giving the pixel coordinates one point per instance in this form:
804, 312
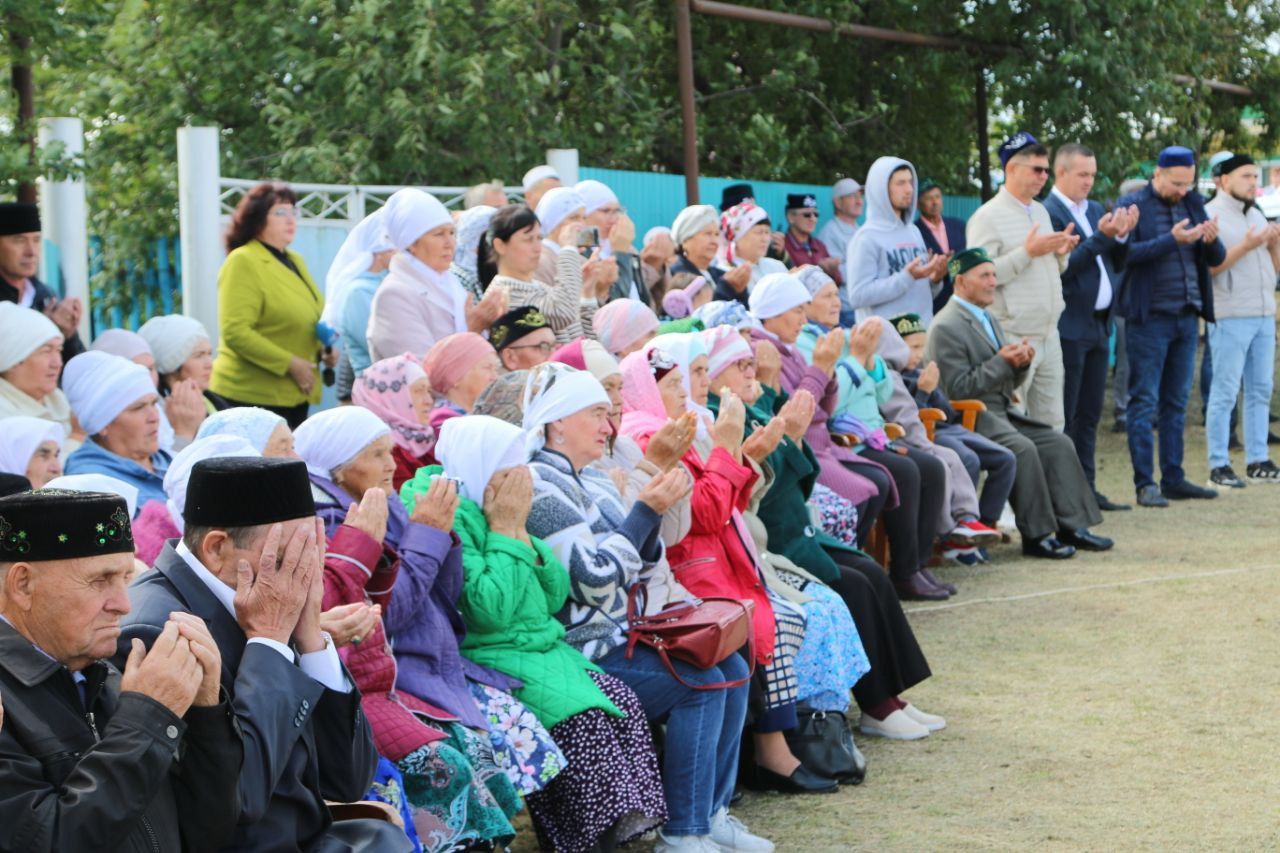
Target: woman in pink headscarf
459, 368
396, 389
624, 325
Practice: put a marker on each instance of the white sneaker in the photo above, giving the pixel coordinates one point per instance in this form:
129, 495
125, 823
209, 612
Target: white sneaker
932, 722
729, 834
685, 844
897, 726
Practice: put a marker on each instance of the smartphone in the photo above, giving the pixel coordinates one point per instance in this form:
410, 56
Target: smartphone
589, 237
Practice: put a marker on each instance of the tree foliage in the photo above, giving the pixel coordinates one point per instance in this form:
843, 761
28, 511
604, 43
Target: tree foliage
458, 91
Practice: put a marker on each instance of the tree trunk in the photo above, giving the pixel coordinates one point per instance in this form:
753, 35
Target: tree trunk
25, 127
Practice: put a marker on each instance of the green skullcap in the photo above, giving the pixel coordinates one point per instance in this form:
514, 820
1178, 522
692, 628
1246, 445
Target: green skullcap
967, 260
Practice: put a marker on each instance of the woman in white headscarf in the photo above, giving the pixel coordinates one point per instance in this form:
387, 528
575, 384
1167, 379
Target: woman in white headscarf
187, 406
472, 226
183, 357
266, 431
30, 361
696, 233
604, 547
115, 401
31, 447
421, 302
354, 276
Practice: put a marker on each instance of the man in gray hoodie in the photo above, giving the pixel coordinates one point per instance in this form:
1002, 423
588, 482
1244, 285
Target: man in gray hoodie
890, 271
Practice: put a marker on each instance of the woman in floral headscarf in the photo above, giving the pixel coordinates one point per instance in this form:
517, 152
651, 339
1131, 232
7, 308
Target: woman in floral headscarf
396, 389
741, 260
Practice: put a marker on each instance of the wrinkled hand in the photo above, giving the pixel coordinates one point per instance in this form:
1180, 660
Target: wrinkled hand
350, 623
665, 490
436, 507
797, 413
1209, 230
864, 340
928, 379
481, 315
303, 374
196, 632
740, 276
307, 635
65, 314
1183, 233
370, 515
185, 408
657, 253
623, 235
620, 478
768, 363
672, 441
169, 673
827, 350
569, 234
507, 499
269, 600
729, 426
765, 440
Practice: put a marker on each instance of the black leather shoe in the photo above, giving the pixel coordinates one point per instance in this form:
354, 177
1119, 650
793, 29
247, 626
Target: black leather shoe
1048, 548
801, 781
1149, 496
919, 588
1083, 540
1186, 490
933, 579
1107, 505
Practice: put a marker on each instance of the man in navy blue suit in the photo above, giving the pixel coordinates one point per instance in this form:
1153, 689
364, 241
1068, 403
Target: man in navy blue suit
943, 235
1088, 291
1165, 289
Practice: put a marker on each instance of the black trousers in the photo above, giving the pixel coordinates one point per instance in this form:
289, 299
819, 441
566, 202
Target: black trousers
913, 524
897, 662
1084, 363
293, 415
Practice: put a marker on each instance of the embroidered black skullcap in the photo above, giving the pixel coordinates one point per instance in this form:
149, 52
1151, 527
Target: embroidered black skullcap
515, 324
55, 524
1229, 165
11, 484
735, 194
18, 217
244, 491
802, 201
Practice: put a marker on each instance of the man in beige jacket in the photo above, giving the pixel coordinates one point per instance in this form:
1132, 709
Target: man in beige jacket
1030, 258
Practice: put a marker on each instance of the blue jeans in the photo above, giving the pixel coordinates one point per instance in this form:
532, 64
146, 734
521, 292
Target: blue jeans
1243, 348
1162, 365
700, 765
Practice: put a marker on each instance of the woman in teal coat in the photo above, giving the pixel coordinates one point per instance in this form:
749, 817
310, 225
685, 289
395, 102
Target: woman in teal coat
513, 585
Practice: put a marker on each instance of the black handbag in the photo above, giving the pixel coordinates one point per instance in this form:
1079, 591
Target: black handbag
823, 743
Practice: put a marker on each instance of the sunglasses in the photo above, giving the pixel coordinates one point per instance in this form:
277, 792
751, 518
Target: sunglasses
808, 214
1039, 170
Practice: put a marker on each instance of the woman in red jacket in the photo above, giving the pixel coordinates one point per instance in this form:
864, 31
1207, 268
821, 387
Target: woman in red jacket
718, 558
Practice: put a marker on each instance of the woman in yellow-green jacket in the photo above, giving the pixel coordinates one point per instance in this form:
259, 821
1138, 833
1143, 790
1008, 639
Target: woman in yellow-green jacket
268, 308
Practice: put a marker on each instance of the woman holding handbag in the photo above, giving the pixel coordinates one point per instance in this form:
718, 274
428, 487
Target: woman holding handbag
578, 512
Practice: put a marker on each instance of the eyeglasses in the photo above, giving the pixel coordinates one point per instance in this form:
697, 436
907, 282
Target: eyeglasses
613, 211
285, 213
745, 364
808, 214
545, 347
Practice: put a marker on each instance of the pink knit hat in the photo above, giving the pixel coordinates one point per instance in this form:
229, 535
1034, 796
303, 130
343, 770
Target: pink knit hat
725, 345
622, 322
451, 357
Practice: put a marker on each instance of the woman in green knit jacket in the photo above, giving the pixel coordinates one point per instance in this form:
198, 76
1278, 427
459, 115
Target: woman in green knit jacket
268, 307
513, 585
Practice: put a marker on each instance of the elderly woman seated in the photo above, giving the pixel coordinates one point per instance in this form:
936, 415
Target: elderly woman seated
267, 432
696, 234
399, 393
625, 325
604, 547
30, 361
183, 357
459, 368
741, 259
348, 452
31, 447
182, 413
513, 586
115, 402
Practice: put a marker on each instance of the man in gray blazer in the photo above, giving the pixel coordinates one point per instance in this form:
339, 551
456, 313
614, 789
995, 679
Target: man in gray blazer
250, 564
1051, 497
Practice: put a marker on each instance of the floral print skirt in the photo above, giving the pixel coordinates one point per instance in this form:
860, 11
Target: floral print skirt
839, 515
612, 777
831, 659
453, 804
523, 749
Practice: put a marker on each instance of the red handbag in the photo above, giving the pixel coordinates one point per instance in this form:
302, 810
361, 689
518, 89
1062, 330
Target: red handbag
702, 632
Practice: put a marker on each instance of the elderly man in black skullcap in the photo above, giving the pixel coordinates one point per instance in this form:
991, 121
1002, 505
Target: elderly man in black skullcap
91, 759
20, 246
251, 563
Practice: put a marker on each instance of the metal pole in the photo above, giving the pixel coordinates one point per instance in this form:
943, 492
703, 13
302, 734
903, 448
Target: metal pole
565, 162
984, 143
200, 224
65, 214
688, 115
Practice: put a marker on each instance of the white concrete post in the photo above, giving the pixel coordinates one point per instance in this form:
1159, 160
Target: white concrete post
565, 162
64, 215
200, 224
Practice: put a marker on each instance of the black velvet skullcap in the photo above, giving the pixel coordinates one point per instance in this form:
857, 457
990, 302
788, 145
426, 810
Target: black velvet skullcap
11, 484
18, 217
55, 524
515, 324
243, 491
